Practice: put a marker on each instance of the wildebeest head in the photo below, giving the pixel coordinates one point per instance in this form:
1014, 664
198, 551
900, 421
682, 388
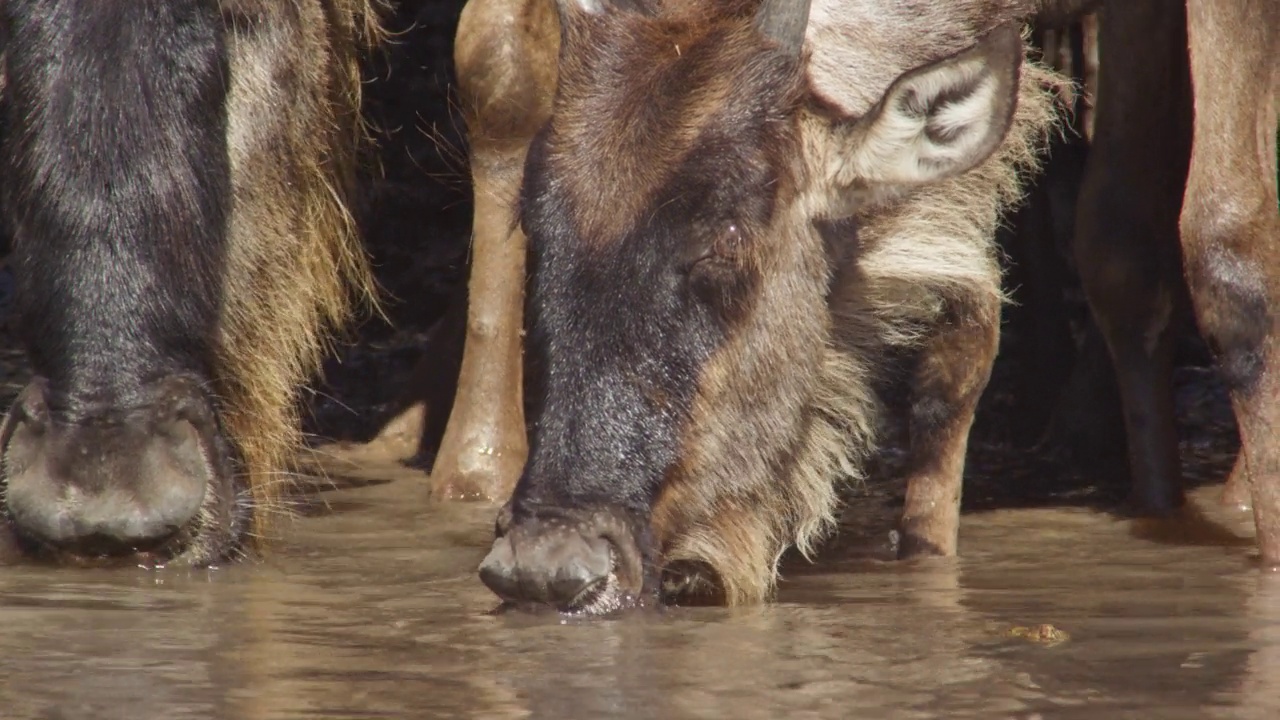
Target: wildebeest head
118, 233
174, 178
677, 309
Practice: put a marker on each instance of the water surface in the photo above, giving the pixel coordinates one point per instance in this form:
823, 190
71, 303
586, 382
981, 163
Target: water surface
373, 610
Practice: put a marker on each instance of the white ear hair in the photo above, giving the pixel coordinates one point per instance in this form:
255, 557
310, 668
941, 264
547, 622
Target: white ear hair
939, 120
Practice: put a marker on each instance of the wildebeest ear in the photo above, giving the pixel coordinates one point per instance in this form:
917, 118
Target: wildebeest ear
938, 120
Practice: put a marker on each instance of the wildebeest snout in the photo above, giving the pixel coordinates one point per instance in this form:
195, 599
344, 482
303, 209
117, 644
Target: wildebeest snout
583, 562
107, 486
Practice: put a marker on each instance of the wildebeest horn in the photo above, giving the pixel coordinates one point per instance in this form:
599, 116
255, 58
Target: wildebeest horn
784, 22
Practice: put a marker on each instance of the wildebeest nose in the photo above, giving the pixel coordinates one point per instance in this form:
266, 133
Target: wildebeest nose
104, 524
555, 566
115, 522
103, 488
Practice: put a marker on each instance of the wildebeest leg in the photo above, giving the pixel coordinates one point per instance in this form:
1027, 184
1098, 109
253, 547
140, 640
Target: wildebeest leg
484, 444
1085, 421
1127, 217
505, 57
1236, 492
1230, 231
953, 371
1039, 315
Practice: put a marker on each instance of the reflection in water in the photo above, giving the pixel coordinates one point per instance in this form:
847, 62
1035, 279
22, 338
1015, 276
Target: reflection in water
1257, 691
374, 611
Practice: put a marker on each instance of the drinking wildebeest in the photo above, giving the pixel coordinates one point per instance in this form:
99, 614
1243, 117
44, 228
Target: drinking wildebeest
175, 182
738, 212
528, 45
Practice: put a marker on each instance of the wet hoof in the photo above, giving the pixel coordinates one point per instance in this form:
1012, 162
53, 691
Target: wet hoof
909, 545
580, 563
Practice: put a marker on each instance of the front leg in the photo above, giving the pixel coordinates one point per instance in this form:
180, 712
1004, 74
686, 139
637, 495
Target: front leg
484, 445
952, 372
505, 53
1231, 235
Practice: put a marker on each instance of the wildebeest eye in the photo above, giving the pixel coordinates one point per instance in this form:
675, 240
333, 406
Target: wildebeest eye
722, 248
720, 272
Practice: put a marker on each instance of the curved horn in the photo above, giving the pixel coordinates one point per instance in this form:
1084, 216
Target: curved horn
784, 22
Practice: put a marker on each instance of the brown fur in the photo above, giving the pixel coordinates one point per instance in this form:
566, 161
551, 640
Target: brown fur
933, 253
294, 130
667, 129
506, 57
1231, 232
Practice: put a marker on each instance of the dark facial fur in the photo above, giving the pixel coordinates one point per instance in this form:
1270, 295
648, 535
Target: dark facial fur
637, 279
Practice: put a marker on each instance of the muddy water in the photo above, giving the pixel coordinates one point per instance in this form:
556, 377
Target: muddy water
371, 609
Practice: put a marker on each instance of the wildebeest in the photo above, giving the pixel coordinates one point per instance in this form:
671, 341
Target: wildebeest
175, 183
741, 216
